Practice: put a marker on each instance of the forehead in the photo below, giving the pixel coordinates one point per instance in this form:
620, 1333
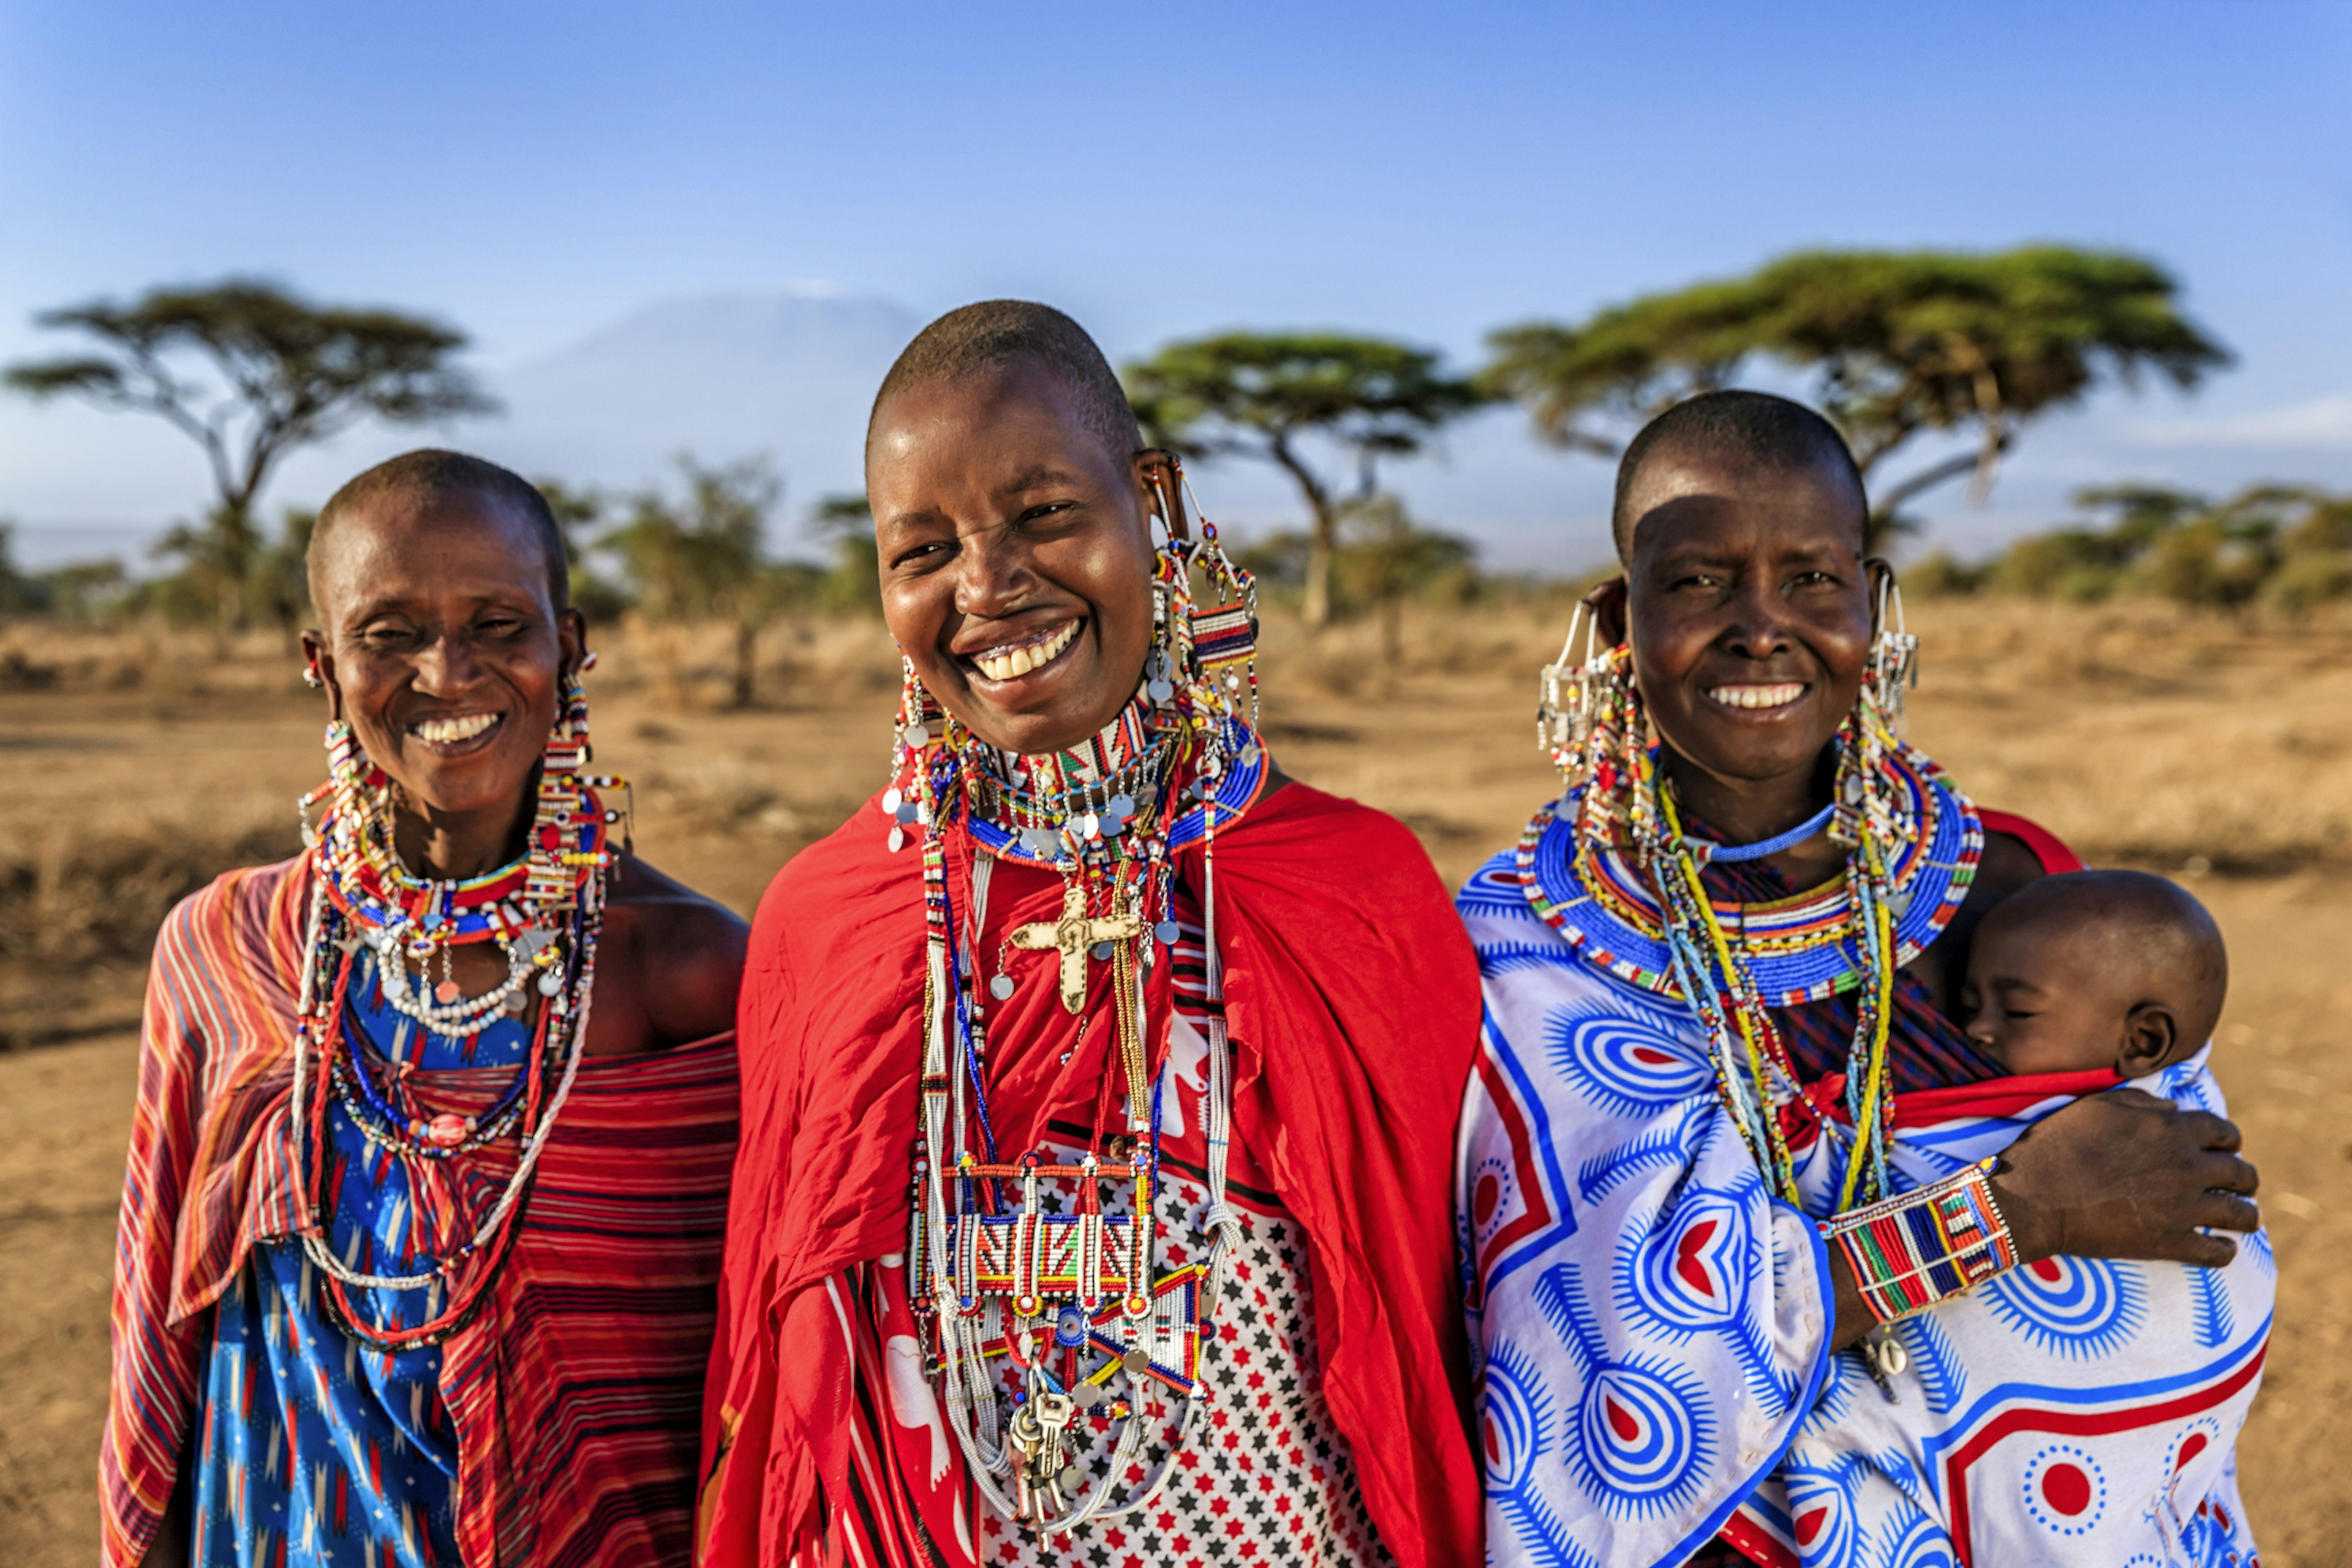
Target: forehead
410, 545
1719, 501
986, 428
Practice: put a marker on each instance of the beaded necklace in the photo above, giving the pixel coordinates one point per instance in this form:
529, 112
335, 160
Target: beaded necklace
993, 1273
545, 909
1640, 911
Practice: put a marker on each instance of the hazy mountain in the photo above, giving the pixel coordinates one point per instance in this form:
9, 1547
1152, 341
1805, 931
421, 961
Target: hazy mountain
725, 375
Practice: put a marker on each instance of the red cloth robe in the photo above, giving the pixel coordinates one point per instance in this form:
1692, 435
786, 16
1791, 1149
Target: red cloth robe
1351, 998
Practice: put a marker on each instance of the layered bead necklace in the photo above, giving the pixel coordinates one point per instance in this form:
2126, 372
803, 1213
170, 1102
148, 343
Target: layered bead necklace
1611, 867
544, 910
1076, 1299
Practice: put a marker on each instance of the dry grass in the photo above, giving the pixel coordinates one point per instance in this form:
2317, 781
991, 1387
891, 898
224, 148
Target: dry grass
136, 764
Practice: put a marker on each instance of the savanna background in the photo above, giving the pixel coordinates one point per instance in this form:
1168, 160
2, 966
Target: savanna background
2072, 278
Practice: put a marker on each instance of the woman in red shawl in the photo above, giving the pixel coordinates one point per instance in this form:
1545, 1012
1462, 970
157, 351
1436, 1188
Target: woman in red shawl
1097, 1081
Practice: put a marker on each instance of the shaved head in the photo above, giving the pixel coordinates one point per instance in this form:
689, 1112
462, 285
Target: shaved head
430, 475
997, 333
1753, 428
2147, 933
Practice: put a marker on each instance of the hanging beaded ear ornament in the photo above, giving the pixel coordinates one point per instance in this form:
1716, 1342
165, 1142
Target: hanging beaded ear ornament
1609, 865
544, 910
1072, 1298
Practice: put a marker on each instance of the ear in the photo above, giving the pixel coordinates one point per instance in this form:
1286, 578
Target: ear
1878, 581
319, 671
2151, 1034
1607, 604
572, 633
1161, 473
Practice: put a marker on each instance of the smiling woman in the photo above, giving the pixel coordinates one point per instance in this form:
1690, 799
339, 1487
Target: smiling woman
372, 1071
1138, 1010
1720, 975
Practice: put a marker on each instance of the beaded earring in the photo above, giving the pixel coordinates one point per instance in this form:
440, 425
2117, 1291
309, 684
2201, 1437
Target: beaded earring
1589, 720
1871, 800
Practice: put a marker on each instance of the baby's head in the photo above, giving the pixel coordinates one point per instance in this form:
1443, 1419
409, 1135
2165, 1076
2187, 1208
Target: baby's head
2094, 969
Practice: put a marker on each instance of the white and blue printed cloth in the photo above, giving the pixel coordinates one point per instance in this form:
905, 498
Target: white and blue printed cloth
1652, 1324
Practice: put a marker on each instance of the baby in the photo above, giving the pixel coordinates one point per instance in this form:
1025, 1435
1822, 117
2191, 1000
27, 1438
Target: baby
2094, 969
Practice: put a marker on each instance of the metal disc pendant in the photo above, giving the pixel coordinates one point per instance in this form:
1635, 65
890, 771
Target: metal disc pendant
1168, 931
1088, 1396
550, 983
898, 839
518, 1002
1000, 987
1136, 1362
1161, 691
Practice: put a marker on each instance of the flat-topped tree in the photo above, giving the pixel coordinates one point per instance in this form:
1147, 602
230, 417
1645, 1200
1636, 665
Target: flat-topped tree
1896, 343
252, 373
1261, 395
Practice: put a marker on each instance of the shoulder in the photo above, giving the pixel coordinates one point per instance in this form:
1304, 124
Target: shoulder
1304, 821
669, 925
239, 914
836, 889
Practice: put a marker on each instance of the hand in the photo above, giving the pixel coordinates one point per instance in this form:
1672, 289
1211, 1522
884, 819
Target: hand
2125, 1174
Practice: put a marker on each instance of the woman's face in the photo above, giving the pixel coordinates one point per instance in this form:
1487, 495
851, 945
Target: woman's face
1016, 554
1747, 605
443, 648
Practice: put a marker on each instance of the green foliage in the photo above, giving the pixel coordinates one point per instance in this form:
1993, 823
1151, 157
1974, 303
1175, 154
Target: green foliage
852, 583
1896, 343
1261, 395
227, 571
2290, 545
580, 513
702, 556
250, 373
1943, 576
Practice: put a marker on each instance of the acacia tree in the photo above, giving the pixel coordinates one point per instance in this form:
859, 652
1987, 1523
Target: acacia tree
251, 373
1896, 343
702, 557
1261, 395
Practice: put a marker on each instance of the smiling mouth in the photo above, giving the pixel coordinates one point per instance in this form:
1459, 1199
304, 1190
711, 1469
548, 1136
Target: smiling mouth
455, 730
1016, 659
1757, 698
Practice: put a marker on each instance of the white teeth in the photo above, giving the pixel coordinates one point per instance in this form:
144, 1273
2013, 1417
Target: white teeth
442, 732
1005, 663
1756, 696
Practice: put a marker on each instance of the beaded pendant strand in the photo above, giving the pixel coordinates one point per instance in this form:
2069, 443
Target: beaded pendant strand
544, 909
1077, 1300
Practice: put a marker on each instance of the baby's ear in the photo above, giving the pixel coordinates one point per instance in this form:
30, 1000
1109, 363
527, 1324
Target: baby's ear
2151, 1036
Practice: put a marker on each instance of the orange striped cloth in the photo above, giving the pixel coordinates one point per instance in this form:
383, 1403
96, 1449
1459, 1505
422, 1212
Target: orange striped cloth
576, 1392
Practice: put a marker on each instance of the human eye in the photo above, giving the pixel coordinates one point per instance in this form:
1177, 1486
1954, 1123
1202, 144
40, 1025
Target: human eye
387, 634
921, 555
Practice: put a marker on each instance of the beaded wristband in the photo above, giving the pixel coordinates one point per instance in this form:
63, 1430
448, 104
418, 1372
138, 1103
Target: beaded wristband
1911, 1251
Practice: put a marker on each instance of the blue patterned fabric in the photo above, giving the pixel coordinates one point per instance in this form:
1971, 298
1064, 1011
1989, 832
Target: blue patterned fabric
317, 1450
1654, 1324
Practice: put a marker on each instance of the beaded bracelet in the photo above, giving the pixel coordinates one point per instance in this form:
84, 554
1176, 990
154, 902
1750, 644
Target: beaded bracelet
1911, 1251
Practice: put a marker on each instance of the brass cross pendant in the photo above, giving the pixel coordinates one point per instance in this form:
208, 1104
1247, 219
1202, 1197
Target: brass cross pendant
1072, 936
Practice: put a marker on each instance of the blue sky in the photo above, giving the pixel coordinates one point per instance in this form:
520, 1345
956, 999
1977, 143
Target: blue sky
535, 172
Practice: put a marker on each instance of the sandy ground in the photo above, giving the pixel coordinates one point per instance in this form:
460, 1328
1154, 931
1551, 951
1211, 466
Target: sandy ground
2138, 735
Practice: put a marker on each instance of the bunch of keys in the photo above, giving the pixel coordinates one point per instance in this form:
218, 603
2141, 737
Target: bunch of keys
1040, 1482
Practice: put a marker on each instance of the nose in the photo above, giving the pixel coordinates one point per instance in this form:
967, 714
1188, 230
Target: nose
447, 665
1760, 620
994, 574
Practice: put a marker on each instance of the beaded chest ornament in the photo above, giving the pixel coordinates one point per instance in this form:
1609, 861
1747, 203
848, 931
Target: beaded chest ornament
1609, 865
1074, 1302
544, 910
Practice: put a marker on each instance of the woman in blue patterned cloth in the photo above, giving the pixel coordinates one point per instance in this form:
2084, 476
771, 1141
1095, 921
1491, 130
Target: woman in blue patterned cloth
1766, 1262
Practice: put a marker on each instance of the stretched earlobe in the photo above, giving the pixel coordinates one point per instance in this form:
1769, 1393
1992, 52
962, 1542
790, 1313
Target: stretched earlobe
1162, 473
1607, 604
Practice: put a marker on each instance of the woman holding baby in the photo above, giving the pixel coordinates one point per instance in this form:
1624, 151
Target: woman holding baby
1770, 1258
